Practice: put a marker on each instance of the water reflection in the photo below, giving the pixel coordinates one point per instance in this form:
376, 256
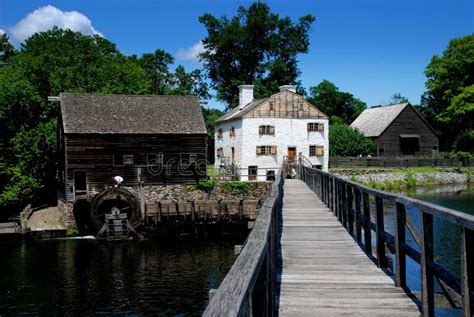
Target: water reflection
82, 277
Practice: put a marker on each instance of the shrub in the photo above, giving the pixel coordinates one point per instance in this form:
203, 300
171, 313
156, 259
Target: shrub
237, 187
347, 141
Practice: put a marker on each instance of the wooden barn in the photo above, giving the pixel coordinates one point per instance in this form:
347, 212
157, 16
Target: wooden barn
398, 130
149, 139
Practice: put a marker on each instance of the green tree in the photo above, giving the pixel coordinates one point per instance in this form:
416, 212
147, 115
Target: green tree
332, 102
449, 78
396, 99
347, 141
6, 49
255, 46
210, 117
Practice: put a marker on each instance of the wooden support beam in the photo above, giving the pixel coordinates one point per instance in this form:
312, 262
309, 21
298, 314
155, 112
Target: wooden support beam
427, 274
400, 254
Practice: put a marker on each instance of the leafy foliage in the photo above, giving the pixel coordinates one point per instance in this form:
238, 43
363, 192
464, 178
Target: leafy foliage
332, 102
347, 141
237, 187
255, 46
448, 103
210, 117
397, 98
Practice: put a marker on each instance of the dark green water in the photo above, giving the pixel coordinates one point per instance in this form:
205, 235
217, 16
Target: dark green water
84, 277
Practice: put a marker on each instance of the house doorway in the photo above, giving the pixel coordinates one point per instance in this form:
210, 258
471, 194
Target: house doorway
253, 172
80, 183
291, 153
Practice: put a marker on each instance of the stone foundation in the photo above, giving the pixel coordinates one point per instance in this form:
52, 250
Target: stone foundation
67, 211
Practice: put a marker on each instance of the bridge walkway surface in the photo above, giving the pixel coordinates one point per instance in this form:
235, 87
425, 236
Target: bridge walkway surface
322, 271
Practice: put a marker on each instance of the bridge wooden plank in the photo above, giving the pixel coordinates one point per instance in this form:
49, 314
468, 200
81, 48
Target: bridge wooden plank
323, 271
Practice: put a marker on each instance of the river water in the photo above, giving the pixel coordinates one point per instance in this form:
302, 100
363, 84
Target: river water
447, 236
86, 277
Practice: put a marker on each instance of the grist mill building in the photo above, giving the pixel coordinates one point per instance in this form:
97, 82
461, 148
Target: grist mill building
150, 139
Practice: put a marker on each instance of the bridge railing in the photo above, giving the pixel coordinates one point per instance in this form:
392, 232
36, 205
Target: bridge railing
350, 202
248, 288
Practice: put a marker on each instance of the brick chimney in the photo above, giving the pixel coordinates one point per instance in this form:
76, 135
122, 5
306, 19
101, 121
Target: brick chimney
245, 95
288, 87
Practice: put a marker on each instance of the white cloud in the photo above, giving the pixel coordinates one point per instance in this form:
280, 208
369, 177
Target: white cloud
46, 17
2, 32
191, 53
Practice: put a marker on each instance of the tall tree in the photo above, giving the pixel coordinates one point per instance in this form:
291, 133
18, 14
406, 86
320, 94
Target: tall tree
396, 99
255, 46
6, 49
332, 102
449, 94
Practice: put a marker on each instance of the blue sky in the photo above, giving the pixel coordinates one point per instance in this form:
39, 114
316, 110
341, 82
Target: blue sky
370, 48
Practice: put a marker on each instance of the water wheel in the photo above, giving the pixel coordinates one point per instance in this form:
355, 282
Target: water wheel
112, 199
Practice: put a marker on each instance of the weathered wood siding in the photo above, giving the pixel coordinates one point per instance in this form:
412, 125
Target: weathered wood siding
408, 122
286, 105
94, 155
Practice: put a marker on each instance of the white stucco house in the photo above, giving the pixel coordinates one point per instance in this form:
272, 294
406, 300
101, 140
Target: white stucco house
259, 136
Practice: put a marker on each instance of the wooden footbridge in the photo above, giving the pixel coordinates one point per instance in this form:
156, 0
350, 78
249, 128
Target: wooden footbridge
310, 254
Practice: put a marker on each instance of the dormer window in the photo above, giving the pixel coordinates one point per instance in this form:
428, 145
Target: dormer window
315, 126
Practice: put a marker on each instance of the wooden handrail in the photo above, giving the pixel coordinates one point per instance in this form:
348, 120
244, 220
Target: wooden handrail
338, 194
248, 288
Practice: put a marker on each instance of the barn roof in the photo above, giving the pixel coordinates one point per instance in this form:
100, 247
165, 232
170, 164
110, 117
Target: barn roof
125, 114
373, 122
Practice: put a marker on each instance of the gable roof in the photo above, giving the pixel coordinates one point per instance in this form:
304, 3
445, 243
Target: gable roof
373, 122
125, 114
238, 113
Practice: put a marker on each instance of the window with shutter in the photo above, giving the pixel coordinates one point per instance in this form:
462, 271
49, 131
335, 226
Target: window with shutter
315, 126
259, 150
312, 150
274, 150
319, 151
266, 129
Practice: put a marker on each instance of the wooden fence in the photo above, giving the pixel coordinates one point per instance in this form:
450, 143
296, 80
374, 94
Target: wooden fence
249, 287
394, 162
350, 202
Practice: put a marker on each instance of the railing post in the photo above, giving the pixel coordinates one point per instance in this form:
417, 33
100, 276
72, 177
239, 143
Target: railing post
467, 267
331, 194
427, 275
379, 228
367, 230
338, 201
350, 210
357, 215
400, 222
344, 205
